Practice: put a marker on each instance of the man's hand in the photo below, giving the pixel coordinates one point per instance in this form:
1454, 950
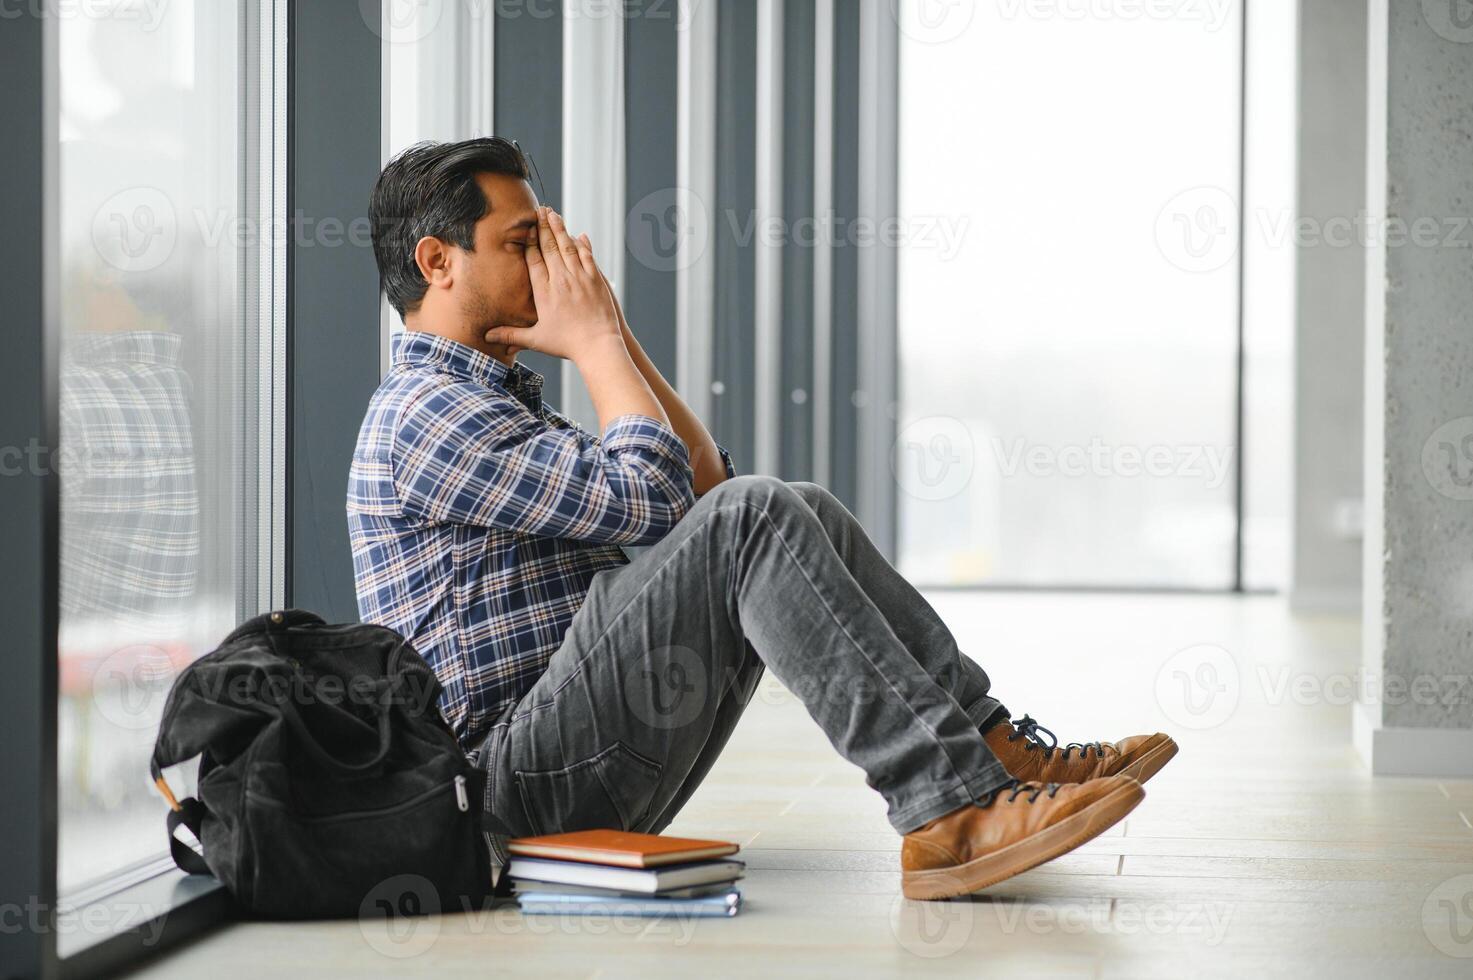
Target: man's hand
576, 320
576, 317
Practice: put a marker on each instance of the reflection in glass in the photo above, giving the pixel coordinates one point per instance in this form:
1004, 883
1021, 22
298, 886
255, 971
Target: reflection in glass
155, 363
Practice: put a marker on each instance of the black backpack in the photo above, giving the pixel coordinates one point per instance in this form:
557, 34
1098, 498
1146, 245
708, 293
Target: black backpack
329, 783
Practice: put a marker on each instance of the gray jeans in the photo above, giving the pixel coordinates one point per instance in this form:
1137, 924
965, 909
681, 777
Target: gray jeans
665, 653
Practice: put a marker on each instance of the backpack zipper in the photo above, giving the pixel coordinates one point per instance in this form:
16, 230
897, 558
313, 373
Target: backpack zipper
462, 803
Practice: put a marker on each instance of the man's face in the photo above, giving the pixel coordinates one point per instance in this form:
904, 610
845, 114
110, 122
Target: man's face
494, 286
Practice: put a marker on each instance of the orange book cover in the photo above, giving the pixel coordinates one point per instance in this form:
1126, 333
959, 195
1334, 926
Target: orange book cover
625, 850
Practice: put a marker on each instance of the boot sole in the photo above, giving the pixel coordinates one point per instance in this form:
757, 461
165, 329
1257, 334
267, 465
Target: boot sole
1152, 762
1062, 837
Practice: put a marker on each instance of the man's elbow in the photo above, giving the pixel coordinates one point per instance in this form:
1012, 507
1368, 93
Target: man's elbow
661, 512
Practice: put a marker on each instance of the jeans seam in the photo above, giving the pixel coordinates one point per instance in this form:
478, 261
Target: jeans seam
491, 746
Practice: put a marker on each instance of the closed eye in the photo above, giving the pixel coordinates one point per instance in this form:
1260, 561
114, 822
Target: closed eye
523, 233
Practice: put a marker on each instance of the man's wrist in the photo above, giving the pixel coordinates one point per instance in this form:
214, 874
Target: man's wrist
600, 352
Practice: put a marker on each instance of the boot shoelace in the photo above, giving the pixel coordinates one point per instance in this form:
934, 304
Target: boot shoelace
1016, 788
1031, 730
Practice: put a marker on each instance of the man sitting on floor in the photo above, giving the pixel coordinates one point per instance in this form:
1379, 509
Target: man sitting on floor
597, 691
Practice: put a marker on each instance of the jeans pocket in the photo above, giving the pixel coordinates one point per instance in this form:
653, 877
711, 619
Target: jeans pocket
609, 791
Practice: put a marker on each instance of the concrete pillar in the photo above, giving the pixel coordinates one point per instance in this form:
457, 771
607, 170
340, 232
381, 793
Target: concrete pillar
1416, 714
1329, 306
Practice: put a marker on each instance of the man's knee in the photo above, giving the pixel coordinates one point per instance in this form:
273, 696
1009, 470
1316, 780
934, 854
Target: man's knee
813, 495
753, 488
771, 492
752, 496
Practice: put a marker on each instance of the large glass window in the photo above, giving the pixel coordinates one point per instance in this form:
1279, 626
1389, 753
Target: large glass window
161, 405
1069, 294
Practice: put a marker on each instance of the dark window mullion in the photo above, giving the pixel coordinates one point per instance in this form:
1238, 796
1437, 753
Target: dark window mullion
804, 235
844, 366
650, 76
734, 227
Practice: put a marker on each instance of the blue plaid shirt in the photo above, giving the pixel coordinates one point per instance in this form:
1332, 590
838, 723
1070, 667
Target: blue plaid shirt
479, 516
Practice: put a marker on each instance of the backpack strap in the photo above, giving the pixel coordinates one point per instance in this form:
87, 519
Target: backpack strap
191, 814
326, 759
188, 812
276, 627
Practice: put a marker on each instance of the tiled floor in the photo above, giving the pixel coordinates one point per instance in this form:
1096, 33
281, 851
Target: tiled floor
1263, 849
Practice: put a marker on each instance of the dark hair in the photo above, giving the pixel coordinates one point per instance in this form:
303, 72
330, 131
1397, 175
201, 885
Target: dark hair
430, 190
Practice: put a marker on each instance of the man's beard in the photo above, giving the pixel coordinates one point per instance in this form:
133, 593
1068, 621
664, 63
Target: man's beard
481, 314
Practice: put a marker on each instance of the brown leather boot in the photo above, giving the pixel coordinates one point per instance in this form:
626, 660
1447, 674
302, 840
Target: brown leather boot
1021, 747
1019, 828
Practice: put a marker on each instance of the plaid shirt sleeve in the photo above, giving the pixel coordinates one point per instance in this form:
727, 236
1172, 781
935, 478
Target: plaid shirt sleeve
485, 461
726, 461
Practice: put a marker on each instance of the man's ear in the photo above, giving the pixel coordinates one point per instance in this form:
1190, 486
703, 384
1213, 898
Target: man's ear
434, 262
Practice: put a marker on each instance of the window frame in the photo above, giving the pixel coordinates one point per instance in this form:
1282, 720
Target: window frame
29, 500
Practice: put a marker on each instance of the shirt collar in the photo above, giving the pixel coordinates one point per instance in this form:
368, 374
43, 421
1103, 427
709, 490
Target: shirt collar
419, 347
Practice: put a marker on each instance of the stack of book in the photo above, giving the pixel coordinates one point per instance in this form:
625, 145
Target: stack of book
614, 873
